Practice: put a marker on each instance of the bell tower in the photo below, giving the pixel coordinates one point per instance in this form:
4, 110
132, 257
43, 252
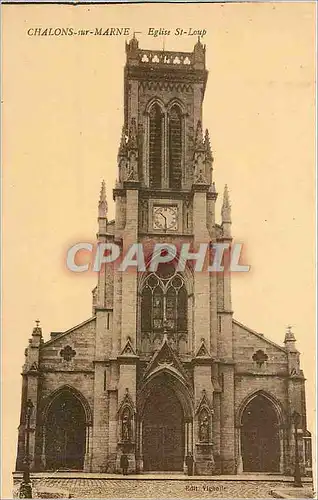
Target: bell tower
162, 143
165, 190
165, 194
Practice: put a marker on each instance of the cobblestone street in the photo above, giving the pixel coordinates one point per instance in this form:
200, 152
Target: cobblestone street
159, 488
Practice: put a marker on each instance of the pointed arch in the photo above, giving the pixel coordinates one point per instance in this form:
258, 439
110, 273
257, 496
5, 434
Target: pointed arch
164, 408
167, 376
187, 271
74, 392
156, 140
155, 100
268, 396
65, 432
175, 101
175, 145
164, 300
259, 420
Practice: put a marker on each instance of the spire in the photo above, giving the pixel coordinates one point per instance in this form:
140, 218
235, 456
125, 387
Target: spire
199, 143
207, 146
226, 207
102, 204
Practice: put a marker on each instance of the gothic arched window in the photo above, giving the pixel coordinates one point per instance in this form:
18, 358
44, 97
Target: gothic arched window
155, 146
175, 147
164, 301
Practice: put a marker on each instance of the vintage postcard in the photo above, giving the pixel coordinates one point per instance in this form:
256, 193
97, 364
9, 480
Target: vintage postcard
159, 334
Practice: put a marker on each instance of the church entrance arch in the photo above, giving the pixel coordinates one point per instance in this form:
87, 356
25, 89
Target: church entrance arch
65, 433
260, 436
163, 430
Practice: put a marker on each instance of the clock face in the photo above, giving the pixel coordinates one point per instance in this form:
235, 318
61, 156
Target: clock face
165, 218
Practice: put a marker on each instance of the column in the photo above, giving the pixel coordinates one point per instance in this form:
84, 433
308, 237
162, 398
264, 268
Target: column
227, 421
239, 451
88, 448
43, 456
139, 457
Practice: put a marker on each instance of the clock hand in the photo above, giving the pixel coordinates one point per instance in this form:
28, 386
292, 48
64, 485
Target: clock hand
165, 218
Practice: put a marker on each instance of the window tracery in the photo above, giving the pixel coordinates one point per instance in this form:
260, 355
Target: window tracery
164, 303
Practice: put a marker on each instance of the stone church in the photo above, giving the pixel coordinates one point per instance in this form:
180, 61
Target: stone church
162, 369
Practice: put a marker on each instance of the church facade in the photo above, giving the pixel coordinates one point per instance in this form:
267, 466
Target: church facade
161, 369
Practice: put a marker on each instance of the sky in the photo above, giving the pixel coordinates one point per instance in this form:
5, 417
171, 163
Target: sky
62, 119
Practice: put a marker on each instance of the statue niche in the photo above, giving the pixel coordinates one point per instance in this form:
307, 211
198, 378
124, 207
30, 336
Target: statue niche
204, 426
126, 433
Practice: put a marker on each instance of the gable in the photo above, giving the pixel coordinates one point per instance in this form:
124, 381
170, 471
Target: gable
250, 346
71, 350
165, 357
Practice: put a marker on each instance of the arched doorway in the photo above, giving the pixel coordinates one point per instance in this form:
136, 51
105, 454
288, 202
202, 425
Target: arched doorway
260, 436
163, 431
65, 433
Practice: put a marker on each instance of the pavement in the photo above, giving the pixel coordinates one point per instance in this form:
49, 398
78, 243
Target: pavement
83, 485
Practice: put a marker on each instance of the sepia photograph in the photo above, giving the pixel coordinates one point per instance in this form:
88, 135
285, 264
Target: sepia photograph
158, 250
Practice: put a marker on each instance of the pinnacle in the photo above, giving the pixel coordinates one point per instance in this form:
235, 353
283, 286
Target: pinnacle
289, 335
226, 199
207, 145
102, 204
123, 143
226, 206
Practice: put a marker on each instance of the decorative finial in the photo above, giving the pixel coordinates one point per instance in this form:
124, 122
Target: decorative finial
102, 204
289, 335
37, 332
290, 340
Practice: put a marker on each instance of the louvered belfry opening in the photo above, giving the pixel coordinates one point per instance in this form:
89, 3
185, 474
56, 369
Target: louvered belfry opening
175, 147
155, 147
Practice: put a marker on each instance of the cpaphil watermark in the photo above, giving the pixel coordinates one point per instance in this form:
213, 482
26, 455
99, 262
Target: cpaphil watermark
206, 257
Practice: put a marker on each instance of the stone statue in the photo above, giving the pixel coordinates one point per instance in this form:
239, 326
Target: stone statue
126, 426
204, 428
133, 166
199, 169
